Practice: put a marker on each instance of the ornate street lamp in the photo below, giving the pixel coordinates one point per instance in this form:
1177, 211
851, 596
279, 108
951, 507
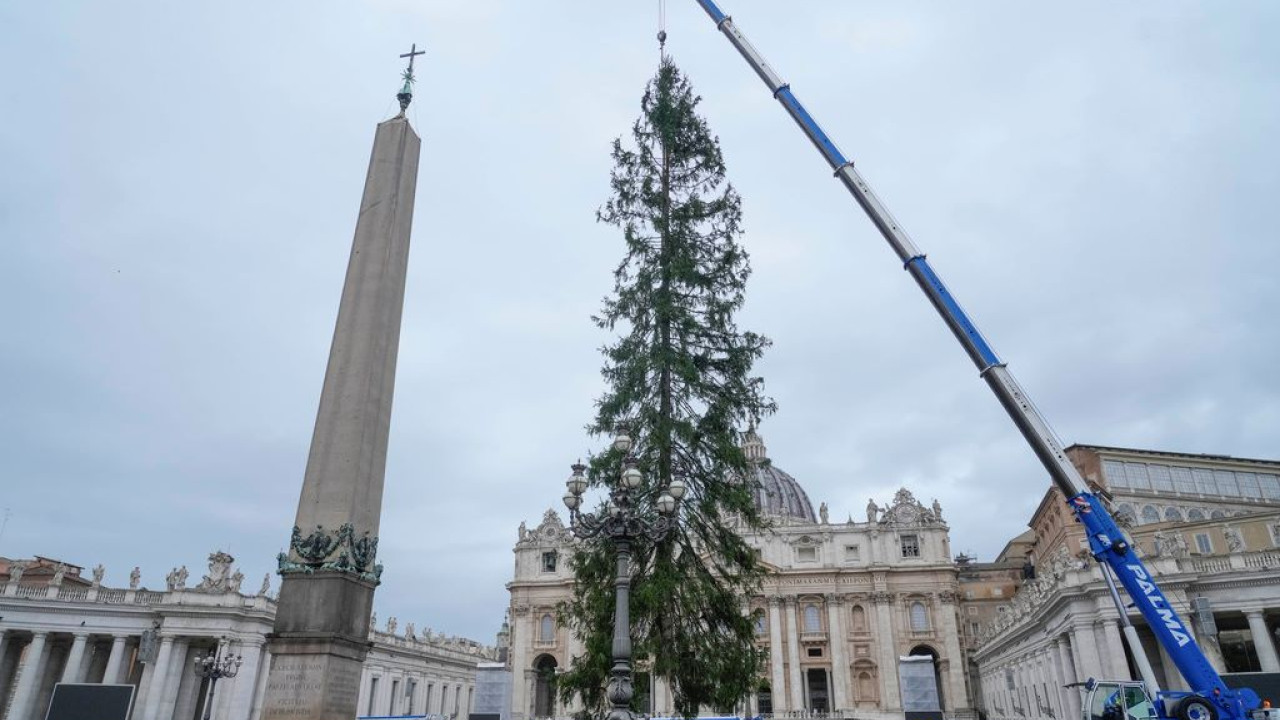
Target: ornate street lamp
623, 521
214, 667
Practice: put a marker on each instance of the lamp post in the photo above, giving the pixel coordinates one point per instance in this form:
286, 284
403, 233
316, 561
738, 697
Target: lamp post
214, 667
623, 521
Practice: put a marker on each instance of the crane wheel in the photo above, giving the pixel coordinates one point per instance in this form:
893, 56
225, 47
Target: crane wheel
1196, 708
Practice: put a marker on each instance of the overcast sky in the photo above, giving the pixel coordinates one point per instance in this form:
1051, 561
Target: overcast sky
179, 182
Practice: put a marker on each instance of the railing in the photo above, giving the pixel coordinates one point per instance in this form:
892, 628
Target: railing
73, 594
1209, 564
32, 591
148, 597
1262, 560
110, 596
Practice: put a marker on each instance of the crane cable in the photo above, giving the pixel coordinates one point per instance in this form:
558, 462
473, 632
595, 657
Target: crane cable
662, 27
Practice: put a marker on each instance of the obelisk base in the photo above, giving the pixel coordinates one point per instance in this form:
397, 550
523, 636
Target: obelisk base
315, 673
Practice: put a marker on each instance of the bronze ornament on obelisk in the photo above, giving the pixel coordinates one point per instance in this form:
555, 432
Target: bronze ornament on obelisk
321, 632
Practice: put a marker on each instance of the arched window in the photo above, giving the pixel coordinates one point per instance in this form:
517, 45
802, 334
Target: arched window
1125, 510
1217, 514
1150, 514
866, 687
812, 621
919, 616
1173, 514
1195, 514
761, 627
547, 628
859, 619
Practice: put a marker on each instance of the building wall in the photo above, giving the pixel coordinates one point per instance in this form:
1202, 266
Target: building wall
838, 607
1062, 626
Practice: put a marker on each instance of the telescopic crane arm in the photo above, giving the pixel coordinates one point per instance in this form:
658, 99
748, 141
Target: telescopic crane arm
1107, 542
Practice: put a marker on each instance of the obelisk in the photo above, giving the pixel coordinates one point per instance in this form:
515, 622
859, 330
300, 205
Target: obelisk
321, 631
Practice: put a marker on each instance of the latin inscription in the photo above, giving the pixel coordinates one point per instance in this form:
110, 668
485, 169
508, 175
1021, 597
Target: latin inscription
311, 687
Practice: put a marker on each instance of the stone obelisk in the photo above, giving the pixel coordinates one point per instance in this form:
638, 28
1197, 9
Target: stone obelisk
330, 571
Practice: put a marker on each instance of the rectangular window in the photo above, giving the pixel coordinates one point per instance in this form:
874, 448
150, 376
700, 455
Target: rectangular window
974, 629
807, 554
1137, 473
997, 592
1161, 480
973, 610
1204, 481
1114, 471
1227, 484
815, 652
910, 546
1203, 544
1182, 480
549, 561
1270, 486
373, 695
968, 595
1249, 485
852, 553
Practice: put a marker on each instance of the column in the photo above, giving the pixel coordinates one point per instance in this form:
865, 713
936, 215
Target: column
71, 672
521, 643
890, 696
28, 682
1117, 665
1262, 641
796, 695
159, 676
836, 638
246, 680
777, 679
177, 663
112, 674
1069, 675
1057, 677
956, 697
1085, 645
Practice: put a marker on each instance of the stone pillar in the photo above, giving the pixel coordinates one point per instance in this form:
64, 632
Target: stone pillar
321, 633
796, 695
112, 674
173, 682
1069, 675
521, 642
246, 680
1117, 665
28, 678
71, 672
1085, 647
890, 695
159, 680
957, 699
836, 639
1262, 641
777, 678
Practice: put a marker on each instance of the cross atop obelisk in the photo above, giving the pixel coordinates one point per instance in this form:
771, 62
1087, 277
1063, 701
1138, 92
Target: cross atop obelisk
405, 96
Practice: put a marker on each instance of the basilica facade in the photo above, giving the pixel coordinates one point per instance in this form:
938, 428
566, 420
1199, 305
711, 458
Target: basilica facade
844, 606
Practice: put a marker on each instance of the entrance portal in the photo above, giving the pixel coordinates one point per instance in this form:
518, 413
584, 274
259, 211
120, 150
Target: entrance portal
544, 697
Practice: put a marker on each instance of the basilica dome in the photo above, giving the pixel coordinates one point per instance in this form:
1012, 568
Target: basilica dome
776, 493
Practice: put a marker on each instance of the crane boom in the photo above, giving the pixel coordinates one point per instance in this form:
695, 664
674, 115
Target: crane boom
1106, 541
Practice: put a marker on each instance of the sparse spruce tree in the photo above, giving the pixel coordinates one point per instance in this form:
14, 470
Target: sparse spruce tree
680, 375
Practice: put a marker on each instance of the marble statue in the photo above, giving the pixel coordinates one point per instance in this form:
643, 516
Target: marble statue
391, 625
16, 568
233, 584
135, 578
872, 510
409, 634
1235, 541
266, 585
937, 510
98, 572
373, 621
219, 572
59, 572
524, 531
822, 513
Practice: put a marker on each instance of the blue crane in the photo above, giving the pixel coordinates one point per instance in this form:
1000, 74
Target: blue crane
1209, 698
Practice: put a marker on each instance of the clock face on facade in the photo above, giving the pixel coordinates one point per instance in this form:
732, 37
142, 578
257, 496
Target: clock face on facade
906, 514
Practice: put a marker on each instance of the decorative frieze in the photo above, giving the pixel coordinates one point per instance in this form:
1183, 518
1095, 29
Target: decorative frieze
339, 551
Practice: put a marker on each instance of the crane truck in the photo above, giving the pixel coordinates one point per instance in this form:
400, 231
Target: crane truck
1209, 698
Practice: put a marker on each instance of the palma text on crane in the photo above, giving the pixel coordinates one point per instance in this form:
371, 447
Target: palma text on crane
1157, 601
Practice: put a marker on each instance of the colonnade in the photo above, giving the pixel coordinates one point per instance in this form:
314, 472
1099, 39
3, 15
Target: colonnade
32, 662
